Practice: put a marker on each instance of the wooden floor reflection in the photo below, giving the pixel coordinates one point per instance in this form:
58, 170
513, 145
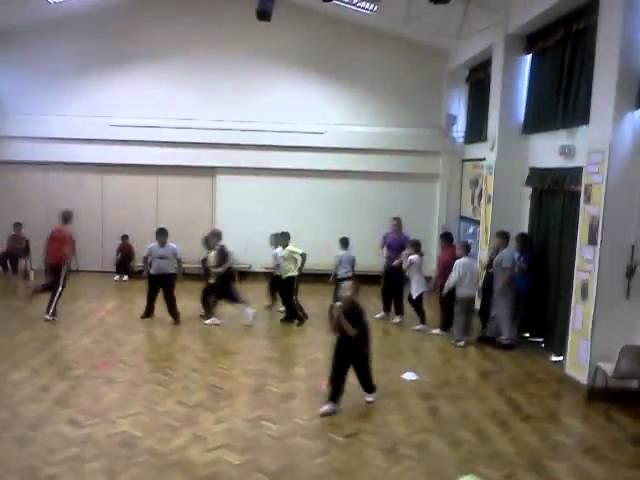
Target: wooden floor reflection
104, 395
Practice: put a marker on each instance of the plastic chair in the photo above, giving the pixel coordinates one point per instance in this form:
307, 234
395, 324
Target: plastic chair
626, 367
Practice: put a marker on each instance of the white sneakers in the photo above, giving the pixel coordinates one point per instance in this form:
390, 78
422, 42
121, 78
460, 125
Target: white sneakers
328, 409
460, 343
125, 278
121, 278
116, 278
557, 358
437, 331
383, 316
251, 315
419, 328
50, 318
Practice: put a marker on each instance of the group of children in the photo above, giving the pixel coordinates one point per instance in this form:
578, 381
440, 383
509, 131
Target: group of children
505, 290
456, 282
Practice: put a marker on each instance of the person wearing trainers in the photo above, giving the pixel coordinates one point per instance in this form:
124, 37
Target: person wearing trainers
17, 249
393, 244
162, 264
352, 348
446, 259
413, 266
125, 255
221, 284
464, 280
293, 260
59, 252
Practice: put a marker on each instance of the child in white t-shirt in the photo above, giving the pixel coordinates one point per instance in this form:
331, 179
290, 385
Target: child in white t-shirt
464, 278
412, 263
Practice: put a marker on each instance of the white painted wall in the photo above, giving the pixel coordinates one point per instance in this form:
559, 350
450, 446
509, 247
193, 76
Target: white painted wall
318, 209
150, 83
108, 201
514, 151
616, 321
161, 75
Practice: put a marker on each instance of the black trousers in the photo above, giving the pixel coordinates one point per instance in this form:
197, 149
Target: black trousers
447, 307
123, 266
224, 288
55, 283
9, 261
393, 289
289, 296
485, 301
418, 306
274, 288
167, 283
521, 312
350, 352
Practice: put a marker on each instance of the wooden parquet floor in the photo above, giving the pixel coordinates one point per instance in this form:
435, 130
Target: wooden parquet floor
104, 395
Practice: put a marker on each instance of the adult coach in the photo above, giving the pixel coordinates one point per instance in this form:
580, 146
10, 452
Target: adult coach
393, 244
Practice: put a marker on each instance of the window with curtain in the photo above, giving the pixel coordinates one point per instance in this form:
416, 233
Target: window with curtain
479, 82
561, 76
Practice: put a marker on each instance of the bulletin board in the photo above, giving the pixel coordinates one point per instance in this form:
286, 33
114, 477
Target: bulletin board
586, 269
485, 220
472, 189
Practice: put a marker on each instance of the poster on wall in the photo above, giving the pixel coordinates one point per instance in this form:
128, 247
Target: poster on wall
485, 222
586, 273
486, 210
470, 232
472, 191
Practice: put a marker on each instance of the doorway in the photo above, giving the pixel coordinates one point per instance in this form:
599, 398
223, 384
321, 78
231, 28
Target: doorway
553, 227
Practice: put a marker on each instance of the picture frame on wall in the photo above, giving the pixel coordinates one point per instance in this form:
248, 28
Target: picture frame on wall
472, 189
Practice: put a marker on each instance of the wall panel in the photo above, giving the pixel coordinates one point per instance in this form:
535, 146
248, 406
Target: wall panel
78, 189
129, 206
23, 199
185, 207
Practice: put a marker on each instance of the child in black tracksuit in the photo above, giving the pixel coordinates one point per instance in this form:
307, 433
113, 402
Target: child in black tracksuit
352, 348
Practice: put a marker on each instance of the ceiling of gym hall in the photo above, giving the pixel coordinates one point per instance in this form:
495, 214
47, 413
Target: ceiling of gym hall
438, 26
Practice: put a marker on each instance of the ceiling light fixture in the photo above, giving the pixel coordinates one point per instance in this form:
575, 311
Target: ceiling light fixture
53, 2
362, 6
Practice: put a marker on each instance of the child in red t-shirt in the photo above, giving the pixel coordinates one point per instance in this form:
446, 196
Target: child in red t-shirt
59, 252
124, 258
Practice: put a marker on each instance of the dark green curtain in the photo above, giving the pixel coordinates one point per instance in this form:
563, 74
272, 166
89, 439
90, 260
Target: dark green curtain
561, 74
553, 226
545, 79
479, 81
